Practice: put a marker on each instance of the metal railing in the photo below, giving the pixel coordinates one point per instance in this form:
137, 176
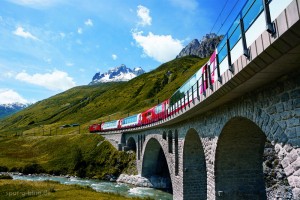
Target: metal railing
253, 19
234, 44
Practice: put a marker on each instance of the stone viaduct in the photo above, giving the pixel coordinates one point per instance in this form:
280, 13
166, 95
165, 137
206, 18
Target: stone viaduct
213, 148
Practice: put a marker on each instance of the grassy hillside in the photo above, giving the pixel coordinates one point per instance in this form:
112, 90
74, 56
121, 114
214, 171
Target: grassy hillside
84, 155
91, 104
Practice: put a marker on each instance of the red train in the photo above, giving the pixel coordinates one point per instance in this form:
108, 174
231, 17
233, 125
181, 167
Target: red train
151, 115
190, 90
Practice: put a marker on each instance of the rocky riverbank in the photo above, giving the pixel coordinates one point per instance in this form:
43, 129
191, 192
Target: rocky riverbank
277, 186
138, 180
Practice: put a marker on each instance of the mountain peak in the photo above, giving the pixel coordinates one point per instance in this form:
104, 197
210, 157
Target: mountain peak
117, 74
202, 49
10, 108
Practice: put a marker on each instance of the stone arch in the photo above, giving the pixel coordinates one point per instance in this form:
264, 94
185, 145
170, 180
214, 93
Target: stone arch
131, 144
238, 162
194, 167
155, 166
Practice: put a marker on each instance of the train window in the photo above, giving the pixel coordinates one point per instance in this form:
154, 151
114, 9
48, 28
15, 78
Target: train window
130, 119
111, 124
158, 109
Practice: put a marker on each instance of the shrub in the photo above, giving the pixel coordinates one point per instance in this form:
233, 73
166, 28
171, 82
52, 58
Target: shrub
14, 169
5, 176
3, 169
33, 168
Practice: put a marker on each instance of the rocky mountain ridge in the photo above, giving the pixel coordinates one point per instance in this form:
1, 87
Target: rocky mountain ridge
202, 49
8, 109
121, 73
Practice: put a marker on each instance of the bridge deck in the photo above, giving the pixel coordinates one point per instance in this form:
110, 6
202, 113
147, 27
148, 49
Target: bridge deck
270, 58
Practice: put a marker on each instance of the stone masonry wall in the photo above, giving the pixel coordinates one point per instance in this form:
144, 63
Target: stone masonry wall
114, 139
275, 109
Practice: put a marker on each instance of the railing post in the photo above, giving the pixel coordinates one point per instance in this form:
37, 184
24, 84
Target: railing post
203, 87
269, 24
174, 108
166, 112
198, 94
229, 56
209, 78
218, 69
181, 104
193, 95
246, 51
188, 97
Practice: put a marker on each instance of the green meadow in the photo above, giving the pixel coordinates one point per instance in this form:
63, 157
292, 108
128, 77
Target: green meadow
84, 105
83, 155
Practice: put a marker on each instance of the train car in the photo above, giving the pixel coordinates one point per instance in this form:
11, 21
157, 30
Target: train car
131, 121
188, 92
204, 79
196, 85
185, 94
155, 113
95, 128
111, 125
209, 74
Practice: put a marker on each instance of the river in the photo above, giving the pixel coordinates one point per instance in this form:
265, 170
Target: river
103, 186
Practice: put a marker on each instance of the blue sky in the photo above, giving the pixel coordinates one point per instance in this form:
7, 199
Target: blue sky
49, 46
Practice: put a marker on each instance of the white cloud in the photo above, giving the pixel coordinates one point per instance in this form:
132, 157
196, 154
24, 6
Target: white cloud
186, 4
143, 14
79, 30
10, 96
88, 22
62, 34
38, 4
114, 57
69, 64
56, 81
20, 32
8, 74
48, 60
161, 48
